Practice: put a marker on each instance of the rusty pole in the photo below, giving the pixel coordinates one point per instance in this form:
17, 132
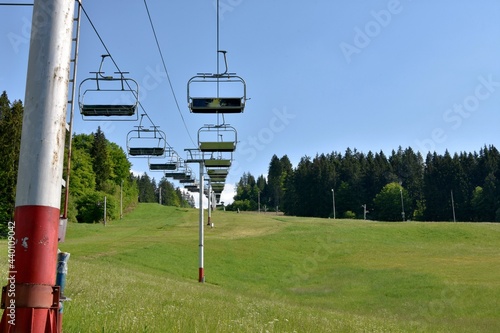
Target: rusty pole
32, 292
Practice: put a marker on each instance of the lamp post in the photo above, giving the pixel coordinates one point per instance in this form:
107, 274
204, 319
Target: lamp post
402, 204
121, 200
333, 202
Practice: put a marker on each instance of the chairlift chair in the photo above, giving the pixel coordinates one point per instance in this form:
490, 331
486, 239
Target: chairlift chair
171, 164
145, 142
216, 103
176, 175
114, 97
227, 102
217, 172
218, 186
211, 138
192, 188
217, 179
217, 163
162, 166
217, 175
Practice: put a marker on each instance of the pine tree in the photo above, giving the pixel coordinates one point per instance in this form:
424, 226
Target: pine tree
100, 160
274, 181
11, 116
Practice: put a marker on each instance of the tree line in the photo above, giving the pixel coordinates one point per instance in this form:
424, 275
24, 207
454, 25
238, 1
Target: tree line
403, 186
99, 169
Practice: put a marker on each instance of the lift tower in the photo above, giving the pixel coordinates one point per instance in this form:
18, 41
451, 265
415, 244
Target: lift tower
38, 196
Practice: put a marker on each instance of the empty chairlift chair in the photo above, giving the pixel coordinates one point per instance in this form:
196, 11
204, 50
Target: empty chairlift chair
162, 166
217, 175
145, 142
116, 98
216, 103
217, 163
205, 96
169, 165
217, 138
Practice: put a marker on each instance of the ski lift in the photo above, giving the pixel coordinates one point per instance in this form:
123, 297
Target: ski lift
116, 97
217, 179
146, 142
192, 188
217, 172
162, 166
217, 163
217, 175
169, 165
232, 101
218, 187
187, 181
217, 145
175, 174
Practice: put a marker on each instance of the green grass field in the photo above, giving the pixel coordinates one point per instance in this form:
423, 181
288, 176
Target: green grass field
269, 273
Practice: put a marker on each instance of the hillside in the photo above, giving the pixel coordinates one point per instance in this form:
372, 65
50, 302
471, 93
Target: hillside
279, 274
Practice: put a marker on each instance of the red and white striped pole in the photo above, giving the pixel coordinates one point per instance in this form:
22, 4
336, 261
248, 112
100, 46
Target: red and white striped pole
201, 269
38, 195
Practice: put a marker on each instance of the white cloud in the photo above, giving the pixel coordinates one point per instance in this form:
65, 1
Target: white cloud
228, 194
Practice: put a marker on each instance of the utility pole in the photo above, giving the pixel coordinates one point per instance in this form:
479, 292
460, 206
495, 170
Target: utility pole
258, 200
333, 202
402, 204
209, 197
105, 204
32, 274
121, 200
453, 206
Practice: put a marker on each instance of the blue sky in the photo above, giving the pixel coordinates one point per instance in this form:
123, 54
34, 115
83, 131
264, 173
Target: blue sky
322, 75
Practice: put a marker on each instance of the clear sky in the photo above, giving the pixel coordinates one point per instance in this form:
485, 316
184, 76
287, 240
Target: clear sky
322, 75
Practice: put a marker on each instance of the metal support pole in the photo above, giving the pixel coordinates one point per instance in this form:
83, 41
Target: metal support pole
105, 206
121, 200
201, 272
38, 193
333, 202
61, 272
402, 204
453, 206
209, 223
258, 201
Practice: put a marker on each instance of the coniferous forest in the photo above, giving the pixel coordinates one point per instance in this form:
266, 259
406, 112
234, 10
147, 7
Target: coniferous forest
403, 186
99, 168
